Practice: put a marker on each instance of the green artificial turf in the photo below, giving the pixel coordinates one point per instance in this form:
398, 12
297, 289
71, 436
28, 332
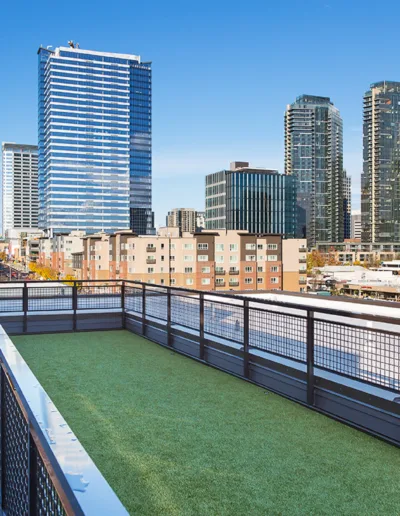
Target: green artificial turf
173, 436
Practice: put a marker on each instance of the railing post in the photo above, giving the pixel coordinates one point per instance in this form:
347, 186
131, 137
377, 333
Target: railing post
143, 309
169, 317
202, 326
74, 303
246, 338
123, 303
32, 476
25, 306
310, 357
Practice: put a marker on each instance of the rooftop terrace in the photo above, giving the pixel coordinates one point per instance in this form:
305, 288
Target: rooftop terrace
173, 436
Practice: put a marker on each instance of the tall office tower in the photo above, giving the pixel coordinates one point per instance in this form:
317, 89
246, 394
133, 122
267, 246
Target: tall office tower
20, 186
314, 155
254, 199
94, 141
356, 224
346, 205
380, 183
182, 218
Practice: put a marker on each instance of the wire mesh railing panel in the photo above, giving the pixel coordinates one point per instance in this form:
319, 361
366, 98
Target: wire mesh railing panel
133, 299
224, 320
92, 297
185, 311
49, 298
156, 303
47, 499
11, 299
278, 333
15, 462
366, 354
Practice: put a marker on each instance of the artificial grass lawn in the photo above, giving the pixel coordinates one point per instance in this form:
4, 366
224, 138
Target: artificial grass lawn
173, 436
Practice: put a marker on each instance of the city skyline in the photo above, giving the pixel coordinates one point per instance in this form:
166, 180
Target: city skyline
185, 143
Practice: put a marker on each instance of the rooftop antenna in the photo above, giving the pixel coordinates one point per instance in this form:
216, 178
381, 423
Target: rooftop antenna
71, 44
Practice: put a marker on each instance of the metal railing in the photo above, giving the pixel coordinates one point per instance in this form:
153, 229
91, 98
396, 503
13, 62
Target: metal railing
364, 348
41, 459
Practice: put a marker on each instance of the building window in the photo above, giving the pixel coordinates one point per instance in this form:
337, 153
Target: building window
162, 281
205, 270
219, 258
272, 247
188, 270
250, 258
173, 281
274, 280
161, 269
162, 247
172, 258
219, 247
248, 280
272, 258
188, 247
202, 247
219, 281
233, 269
205, 281
260, 258
188, 258
189, 281
274, 268
150, 270
248, 269
219, 269
259, 280
233, 258
172, 247
260, 246
203, 258
250, 247
260, 269
172, 270
233, 247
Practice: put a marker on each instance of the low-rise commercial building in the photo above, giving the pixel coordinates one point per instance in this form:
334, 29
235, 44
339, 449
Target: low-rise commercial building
352, 251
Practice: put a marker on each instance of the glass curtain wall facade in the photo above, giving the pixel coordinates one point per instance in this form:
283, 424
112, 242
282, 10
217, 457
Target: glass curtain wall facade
253, 200
380, 179
94, 141
314, 155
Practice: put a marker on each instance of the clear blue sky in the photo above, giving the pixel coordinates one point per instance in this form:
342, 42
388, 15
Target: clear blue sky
223, 73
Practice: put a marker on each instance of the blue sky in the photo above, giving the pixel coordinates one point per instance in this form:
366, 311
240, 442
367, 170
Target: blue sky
223, 73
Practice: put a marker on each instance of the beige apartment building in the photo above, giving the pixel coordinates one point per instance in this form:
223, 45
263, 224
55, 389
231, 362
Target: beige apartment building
294, 264
57, 252
210, 260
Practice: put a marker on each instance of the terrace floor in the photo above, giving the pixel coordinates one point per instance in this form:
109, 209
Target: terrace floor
173, 436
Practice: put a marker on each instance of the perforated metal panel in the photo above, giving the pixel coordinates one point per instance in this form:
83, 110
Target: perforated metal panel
15, 436
47, 499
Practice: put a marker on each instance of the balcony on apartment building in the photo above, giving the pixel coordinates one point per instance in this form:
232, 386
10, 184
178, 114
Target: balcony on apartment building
220, 272
302, 260
150, 249
151, 261
233, 272
163, 428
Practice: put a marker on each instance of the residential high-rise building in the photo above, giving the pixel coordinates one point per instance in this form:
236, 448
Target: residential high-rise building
20, 186
356, 224
94, 141
200, 220
380, 179
253, 199
346, 205
182, 218
314, 155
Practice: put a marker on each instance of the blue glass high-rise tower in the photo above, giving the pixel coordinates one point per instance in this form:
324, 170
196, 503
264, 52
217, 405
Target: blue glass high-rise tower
94, 141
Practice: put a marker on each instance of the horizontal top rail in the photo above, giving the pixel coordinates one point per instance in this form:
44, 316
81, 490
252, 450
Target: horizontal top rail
84, 486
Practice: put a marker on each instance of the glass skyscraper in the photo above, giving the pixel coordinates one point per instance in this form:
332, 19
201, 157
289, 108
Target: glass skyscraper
252, 199
380, 179
94, 141
314, 155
